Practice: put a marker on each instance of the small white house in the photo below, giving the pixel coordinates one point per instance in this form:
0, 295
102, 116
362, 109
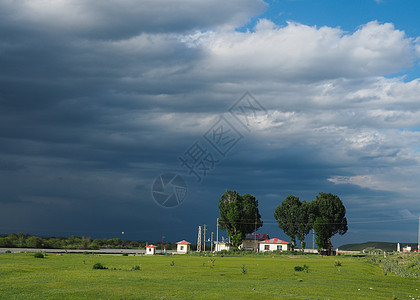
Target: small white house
274, 245
407, 249
222, 246
183, 247
150, 249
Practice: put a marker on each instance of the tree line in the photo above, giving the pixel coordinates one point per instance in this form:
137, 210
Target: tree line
326, 216
21, 240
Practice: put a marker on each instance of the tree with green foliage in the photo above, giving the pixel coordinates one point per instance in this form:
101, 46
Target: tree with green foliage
304, 222
287, 215
239, 215
34, 242
329, 215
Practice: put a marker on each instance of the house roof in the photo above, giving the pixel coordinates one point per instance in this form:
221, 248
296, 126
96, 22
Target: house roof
275, 241
150, 246
184, 242
258, 237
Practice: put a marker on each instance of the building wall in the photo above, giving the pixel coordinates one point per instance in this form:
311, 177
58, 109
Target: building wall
250, 245
150, 251
273, 247
182, 248
222, 246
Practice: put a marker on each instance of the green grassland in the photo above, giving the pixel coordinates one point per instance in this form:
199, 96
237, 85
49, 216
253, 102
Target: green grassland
70, 276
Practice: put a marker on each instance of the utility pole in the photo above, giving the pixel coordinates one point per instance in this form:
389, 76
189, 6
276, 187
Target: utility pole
199, 239
161, 251
255, 234
418, 242
211, 245
217, 236
204, 232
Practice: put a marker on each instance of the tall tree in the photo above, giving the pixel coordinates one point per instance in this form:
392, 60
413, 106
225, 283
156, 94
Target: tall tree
287, 215
239, 215
329, 215
304, 222
322, 228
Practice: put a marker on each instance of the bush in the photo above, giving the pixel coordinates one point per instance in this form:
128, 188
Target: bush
304, 268
136, 268
125, 254
99, 266
85, 252
298, 268
39, 255
172, 264
8, 251
243, 270
337, 264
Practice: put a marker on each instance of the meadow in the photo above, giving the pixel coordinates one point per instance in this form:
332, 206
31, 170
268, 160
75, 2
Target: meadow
70, 276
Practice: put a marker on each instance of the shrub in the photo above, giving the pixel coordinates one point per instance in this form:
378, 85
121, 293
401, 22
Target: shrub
125, 254
243, 270
99, 266
85, 252
39, 255
8, 251
337, 264
172, 263
136, 268
304, 268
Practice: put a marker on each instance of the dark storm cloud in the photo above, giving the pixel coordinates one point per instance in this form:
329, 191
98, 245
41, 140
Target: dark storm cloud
123, 19
99, 98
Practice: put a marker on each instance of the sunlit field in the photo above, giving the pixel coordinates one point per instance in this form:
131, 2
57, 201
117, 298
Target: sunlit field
72, 276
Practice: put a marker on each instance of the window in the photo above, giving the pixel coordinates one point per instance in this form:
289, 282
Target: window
279, 247
150, 249
181, 248
267, 247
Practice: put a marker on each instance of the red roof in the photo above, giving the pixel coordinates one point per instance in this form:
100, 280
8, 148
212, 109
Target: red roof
258, 236
184, 242
275, 241
150, 246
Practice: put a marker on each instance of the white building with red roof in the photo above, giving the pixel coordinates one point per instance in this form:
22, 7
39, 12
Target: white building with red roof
274, 244
183, 247
150, 249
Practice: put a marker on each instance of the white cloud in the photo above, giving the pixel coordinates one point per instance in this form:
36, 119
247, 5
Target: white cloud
300, 52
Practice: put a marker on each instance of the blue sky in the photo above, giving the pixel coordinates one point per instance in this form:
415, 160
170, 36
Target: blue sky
97, 100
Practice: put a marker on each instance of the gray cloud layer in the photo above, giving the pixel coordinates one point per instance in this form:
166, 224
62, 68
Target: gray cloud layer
96, 100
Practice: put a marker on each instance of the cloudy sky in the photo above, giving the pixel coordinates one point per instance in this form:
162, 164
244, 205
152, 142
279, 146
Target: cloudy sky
100, 98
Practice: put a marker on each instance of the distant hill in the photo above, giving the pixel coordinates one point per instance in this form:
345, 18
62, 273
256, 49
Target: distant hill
386, 246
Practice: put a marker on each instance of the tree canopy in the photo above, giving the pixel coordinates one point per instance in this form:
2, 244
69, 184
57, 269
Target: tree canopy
329, 215
287, 215
239, 215
325, 215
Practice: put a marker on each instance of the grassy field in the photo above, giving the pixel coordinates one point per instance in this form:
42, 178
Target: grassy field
195, 277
